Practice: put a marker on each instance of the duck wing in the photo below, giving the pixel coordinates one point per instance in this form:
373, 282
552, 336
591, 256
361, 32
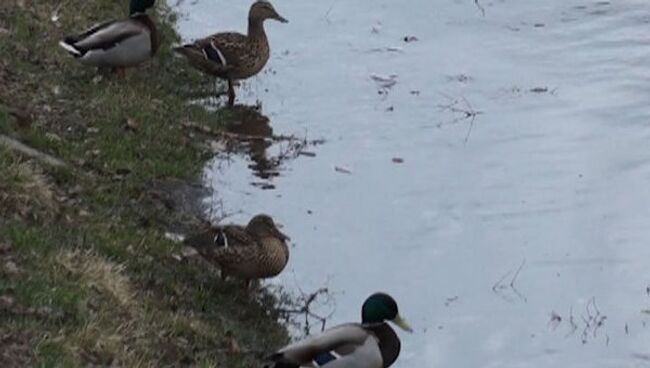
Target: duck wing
102, 36
216, 54
231, 45
344, 346
218, 238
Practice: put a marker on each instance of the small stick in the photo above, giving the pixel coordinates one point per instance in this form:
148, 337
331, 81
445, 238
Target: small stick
30, 152
480, 7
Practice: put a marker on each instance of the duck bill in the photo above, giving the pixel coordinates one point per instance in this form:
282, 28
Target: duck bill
401, 323
283, 236
280, 234
280, 18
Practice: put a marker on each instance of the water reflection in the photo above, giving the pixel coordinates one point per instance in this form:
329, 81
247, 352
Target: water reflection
250, 133
253, 134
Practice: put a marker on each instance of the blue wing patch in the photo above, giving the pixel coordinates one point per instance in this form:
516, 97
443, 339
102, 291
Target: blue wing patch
211, 52
324, 358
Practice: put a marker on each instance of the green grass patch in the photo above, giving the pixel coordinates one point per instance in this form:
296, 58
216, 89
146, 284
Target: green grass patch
86, 274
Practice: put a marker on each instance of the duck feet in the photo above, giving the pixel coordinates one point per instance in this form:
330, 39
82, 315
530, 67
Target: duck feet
121, 72
231, 94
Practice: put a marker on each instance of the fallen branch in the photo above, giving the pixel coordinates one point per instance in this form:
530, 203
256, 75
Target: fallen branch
30, 152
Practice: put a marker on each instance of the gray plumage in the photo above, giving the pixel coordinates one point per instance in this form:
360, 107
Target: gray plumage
370, 344
117, 43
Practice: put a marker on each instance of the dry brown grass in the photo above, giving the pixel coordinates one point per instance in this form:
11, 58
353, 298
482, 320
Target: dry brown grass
99, 274
25, 190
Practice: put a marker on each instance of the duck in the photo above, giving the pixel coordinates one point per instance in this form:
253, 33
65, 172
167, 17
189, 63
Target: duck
117, 44
234, 56
369, 344
252, 252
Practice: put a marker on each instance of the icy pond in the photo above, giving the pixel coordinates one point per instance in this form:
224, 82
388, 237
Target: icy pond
490, 171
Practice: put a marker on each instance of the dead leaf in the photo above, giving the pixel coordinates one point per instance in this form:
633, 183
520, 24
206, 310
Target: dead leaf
53, 137
342, 170
132, 124
234, 346
384, 81
307, 153
23, 117
11, 268
5, 248
6, 302
539, 90
189, 252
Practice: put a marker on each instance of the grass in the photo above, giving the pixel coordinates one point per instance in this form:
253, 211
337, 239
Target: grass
86, 275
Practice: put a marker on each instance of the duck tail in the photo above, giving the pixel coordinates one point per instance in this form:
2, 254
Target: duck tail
68, 45
281, 365
206, 242
190, 51
279, 362
182, 49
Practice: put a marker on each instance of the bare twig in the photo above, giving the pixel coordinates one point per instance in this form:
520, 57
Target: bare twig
500, 287
30, 152
572, 323
327, 13
480, 7
592, 321
302, 305
464, 111
499, 284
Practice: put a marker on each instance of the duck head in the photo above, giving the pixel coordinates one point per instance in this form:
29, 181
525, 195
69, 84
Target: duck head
262, 10
381, 307
263, 226
140, 6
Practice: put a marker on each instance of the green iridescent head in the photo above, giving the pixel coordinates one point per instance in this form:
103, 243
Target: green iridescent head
381, 307
140, 6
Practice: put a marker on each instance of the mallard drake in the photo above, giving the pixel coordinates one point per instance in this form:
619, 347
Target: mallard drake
234, 56
117, 44
369, 344
258, 250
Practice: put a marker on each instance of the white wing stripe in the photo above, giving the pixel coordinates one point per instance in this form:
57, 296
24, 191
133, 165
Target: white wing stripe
221, 57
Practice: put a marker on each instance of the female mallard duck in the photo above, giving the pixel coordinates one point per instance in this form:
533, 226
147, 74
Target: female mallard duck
256, 251
234, 56
369, 344
117, 44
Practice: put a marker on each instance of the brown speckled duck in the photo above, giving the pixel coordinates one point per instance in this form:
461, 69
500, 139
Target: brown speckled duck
117, 44
234, 56
258, 250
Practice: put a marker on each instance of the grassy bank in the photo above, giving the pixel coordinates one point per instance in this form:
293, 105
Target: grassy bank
86, 275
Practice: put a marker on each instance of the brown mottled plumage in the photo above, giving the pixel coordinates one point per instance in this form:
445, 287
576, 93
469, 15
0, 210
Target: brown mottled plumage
233, 56
256, 251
